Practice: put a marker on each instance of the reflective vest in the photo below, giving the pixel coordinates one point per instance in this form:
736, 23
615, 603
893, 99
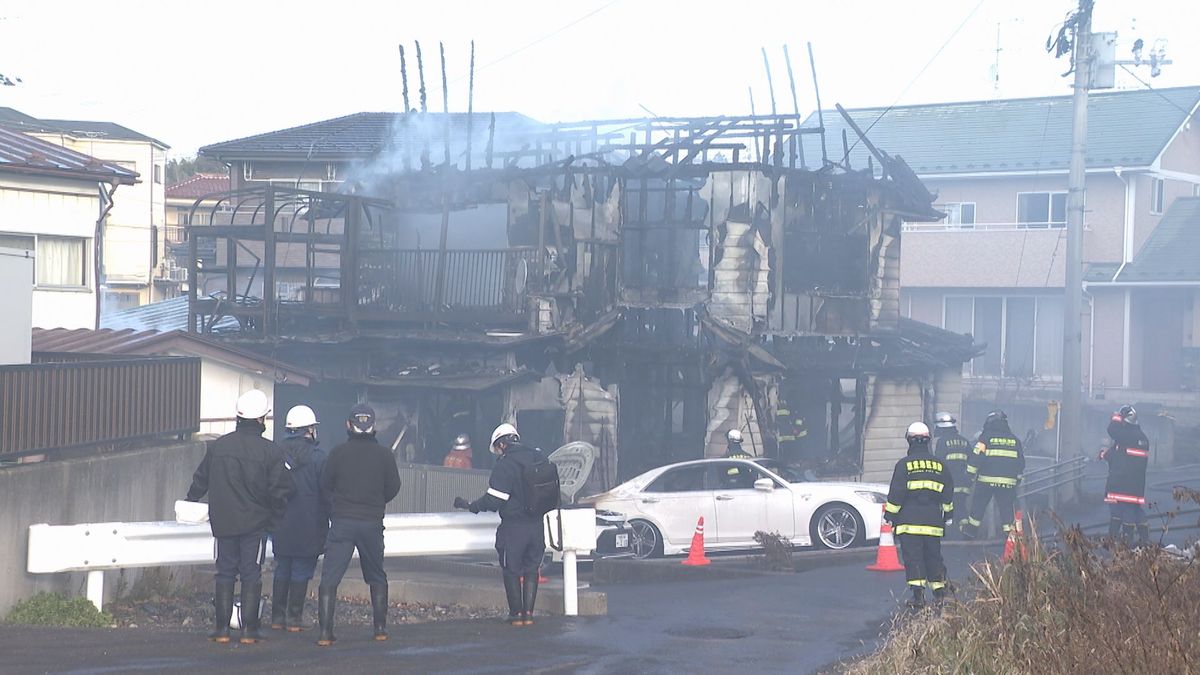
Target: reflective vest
921, 494
997, 460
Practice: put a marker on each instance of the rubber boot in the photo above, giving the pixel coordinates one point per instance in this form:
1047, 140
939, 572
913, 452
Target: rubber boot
223, 606
251, 604
326, 608
917, 602
297, 594
1143, 534
529, 597
939, 597
279, 602
379, 610
512, 591
1128, 533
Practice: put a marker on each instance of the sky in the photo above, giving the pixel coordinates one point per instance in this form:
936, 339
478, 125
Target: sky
195, 73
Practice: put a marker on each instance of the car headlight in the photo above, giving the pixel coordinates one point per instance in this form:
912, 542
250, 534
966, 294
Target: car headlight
873, 497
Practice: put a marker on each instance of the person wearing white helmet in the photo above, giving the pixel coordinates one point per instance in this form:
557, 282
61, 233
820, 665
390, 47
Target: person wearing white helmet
522, 488
248, 487
919, 505
298, 540
954, 451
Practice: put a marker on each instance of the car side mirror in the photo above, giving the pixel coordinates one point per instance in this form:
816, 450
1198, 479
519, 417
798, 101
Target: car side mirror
764, 484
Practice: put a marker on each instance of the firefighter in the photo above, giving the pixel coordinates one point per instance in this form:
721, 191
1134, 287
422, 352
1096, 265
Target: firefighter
248, 488
360, 478
920, 504
520, 542
459, 456
995, 465
299, 539
953, 451
733, 446
1125, 491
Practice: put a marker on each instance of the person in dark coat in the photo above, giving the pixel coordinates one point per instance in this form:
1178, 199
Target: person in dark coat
953, 450
1125, 490
248, 487
360, 478
300, 538
995, 465
920, 503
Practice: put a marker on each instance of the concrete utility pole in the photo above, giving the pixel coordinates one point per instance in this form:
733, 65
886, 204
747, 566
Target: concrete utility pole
1071, 414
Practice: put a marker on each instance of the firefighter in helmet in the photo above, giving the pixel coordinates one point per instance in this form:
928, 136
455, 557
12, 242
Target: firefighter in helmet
919, 505
995, 465
1125, 491
953, 450
459, 456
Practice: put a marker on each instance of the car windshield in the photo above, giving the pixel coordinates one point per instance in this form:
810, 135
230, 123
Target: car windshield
792, 474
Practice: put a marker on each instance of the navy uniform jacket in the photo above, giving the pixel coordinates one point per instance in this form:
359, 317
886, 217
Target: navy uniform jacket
245, 480
921, 495
306, 520
998, 458
954, 451
506, 487
1127, 460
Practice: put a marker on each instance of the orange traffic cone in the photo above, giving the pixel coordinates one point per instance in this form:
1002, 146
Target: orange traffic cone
886, 559
696, 551
1014, 546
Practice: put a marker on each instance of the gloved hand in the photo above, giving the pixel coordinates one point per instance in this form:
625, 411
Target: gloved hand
473, 508
460, 503
949, 521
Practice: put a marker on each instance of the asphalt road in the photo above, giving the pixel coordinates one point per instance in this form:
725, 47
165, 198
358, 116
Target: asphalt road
792, 623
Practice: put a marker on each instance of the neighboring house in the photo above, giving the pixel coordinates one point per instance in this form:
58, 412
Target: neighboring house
994, 267
133, 246
54, 202
181, 198
226, 372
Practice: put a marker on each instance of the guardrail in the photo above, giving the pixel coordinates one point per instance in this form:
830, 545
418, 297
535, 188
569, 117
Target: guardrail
96, 547
1050, 478
976, 227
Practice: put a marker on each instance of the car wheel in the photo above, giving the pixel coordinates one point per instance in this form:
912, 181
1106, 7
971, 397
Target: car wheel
837, 526
646, 541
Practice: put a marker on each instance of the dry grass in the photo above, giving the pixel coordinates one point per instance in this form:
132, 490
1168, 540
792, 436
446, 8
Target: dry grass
1079, 607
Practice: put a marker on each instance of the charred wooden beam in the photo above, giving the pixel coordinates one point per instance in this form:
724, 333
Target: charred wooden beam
445, 103
470, 104
404, 78
820, 115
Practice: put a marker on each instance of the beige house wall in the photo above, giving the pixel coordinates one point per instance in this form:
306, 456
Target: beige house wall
1109, 341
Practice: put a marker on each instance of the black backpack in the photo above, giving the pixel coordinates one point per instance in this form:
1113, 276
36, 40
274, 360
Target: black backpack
542, 489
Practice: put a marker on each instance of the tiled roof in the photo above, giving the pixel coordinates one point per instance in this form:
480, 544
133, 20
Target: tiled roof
199, 185
90, 129
1125, 128
25, 154
1172, 252
367, 133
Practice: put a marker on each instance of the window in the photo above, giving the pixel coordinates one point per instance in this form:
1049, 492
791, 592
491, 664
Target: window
1196, 189
685, 479
1156, 196
19, 242
960, 214
158, 174
1041, 209
1023, 334
61, 261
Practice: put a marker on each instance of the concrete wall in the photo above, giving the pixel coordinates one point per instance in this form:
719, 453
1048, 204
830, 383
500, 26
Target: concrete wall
16, 306
139, 485
57, 207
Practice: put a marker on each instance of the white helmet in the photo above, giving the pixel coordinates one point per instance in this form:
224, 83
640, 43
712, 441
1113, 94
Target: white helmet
505, 430
734, 436
944, 420
301, 416
253, 405
916, 432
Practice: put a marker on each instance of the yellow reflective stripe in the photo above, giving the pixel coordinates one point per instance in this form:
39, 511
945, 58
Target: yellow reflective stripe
950, 457
998, 480
980, 448
937, 585
926, 485
787, 437
961, 490
947, 507
802, 434
927, 530
993, 452
916, 582
972, 469
891, 508
971, 521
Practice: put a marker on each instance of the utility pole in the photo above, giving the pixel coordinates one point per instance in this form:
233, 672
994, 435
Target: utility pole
1071, 414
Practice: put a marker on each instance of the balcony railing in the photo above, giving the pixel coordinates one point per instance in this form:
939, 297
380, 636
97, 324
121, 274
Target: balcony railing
413, 281
45, 406
972, 227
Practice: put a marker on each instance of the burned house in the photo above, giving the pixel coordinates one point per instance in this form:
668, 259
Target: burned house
641, 285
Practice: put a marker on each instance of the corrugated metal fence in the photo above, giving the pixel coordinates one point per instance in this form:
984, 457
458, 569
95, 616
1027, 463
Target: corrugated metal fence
44, 406
431, 489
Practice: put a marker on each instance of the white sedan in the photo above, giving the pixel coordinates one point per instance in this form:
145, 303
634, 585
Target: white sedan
738, 497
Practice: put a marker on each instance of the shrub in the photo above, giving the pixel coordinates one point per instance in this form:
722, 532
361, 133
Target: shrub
56, 609
777, 550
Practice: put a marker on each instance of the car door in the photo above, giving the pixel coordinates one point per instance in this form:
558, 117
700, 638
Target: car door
676, 500
743, 509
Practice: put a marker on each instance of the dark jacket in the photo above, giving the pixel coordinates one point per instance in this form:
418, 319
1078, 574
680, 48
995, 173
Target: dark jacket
1127, 460
306, 519
921, 495
735, 451
954, 451
998, 458
245, 480
360, 478
506, 486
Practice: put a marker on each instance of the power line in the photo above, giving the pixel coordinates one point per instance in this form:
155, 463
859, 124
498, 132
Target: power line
1157, 92
922, 71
